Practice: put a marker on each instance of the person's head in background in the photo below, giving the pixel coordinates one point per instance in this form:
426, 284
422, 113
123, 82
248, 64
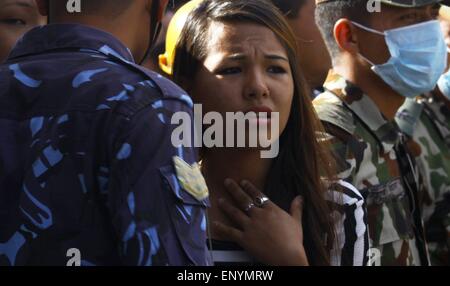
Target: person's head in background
16, 18
234, 55
314, 58
151, 62
443, 90
134, 23
444, 19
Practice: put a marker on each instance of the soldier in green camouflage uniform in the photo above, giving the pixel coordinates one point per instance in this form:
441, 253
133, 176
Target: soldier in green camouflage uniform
366, 140
374, 155
429, 127
432, 133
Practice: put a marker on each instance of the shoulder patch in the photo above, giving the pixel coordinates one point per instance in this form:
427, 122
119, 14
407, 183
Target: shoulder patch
191, 178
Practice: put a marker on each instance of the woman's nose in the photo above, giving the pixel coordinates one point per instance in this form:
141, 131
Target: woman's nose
256, 85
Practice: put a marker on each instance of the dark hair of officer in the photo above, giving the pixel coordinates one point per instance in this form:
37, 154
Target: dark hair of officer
328, 13
296, 171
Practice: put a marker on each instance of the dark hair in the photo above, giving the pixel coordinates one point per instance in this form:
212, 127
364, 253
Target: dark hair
328, 13
289, 8
296, 171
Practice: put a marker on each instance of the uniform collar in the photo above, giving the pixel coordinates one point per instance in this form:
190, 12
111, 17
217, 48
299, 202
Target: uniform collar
361, 105
44, 39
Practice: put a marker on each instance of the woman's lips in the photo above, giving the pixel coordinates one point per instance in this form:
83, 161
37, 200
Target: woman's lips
260, 109
262, 115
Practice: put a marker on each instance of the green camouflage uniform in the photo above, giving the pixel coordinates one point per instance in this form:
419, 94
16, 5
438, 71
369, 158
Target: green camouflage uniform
432, 134
371, 156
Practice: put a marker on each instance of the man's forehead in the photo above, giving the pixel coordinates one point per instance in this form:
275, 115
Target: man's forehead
396, 3
390, 11
409, 3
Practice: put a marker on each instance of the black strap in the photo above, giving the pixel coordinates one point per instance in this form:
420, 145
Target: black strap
407, 168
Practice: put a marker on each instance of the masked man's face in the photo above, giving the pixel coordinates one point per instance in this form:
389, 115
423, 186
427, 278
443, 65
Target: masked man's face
374, 46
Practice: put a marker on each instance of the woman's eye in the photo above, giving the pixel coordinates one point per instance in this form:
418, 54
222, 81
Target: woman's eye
16, 22
276, 70
228, 71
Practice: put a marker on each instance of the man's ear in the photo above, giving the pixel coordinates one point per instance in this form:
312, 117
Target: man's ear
345, 36
42, 7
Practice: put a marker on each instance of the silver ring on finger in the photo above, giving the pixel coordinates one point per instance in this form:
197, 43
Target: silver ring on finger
261, 201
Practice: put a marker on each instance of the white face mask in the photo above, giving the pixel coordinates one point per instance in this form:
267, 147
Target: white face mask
418, 57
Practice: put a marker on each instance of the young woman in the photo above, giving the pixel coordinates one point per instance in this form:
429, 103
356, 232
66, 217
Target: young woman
239, 56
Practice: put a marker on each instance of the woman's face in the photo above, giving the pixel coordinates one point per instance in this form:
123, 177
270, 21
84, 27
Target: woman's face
16, 18
246, 70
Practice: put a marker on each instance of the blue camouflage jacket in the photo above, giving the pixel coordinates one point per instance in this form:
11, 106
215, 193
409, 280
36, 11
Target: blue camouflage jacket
86, 160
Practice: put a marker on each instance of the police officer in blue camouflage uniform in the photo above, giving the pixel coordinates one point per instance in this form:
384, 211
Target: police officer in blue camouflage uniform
86, 160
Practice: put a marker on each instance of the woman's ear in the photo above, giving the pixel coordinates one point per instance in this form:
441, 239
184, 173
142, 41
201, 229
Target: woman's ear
345, 36
42, 6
